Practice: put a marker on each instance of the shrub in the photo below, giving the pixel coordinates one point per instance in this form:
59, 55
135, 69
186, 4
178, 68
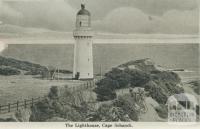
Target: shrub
166, 76
197, 109
9, 71
156, 92
111, 113
118, 79
196, 86
41, 111
162, 111
138, 77
127, 104
122, 109
53, 94
105, 93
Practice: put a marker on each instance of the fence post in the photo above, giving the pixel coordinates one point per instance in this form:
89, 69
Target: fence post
85, 85
32, 102
73, 88
24, 103
8, 107
17, 105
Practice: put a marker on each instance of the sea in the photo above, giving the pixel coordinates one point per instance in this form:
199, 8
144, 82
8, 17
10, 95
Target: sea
107, 56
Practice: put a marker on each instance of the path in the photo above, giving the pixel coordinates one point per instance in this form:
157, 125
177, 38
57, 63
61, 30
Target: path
151, 114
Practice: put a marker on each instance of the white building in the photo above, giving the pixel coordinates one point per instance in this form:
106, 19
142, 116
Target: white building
83, 57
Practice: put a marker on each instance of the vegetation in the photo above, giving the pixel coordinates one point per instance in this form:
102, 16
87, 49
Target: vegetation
127, 104
196, 86
105, 90
69, 106
58, 106
162, 111
197, 109
53, 94
159, 84
21, 65
118, 79
9, 71
122, 109
156, 92
30, 68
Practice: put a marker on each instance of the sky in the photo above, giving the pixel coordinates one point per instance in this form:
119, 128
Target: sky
113, 16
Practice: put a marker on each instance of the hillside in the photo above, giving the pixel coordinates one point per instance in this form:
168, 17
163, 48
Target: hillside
159, 84
10, 66
22, 65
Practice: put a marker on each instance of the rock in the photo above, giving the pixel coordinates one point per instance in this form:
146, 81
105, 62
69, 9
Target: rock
146, 65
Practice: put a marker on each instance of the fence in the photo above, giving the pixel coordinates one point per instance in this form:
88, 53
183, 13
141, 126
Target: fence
84, 86
27, 103
11, 107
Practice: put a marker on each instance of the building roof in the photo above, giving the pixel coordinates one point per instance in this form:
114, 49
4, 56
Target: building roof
182, 97
83, 11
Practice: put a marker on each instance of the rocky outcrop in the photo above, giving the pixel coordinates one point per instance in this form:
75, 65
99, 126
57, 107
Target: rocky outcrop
160, 84
146, 65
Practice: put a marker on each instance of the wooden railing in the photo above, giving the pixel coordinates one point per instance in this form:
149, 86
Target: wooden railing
27, 103
12, 107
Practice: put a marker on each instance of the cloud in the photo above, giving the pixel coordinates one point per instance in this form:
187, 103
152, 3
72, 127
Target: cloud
154, 7
123, 20
119, 16
181, 21
9, 14
132, 20
52, 14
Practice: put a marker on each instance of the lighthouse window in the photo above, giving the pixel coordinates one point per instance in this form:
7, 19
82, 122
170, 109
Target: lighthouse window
88, 59
88, 74
80, 23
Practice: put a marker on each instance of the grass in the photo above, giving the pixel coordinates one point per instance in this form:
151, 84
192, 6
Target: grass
13, 88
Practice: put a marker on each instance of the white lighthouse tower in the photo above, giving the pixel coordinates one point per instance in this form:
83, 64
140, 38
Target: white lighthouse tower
83, 57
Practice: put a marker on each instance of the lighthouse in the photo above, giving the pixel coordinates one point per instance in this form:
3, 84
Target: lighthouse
83, 55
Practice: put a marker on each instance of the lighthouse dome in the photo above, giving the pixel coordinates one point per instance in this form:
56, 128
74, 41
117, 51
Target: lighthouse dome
83, 11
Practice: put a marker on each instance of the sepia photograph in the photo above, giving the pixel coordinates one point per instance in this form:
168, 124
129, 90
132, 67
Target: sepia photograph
97, 61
